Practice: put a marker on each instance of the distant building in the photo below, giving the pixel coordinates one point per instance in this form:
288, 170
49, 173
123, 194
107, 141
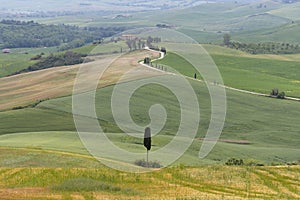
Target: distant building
6, 51
128, 37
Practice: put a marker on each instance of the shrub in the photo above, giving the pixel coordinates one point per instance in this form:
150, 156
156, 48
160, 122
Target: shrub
143, 163
281, 95
234, 161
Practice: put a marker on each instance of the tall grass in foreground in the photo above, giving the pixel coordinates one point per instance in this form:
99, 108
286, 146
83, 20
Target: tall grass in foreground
206, 182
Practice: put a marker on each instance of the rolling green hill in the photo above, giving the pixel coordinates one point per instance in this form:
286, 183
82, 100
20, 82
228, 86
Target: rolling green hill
284, 33
42, 156
259, 130
254, 119
290, 11
258, 73
249, 118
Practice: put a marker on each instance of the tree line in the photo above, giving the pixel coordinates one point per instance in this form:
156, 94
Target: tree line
266, 48
139, 43
262, 48
20, 34
68, 58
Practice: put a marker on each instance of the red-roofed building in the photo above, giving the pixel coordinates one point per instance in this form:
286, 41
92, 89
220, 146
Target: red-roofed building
6, 51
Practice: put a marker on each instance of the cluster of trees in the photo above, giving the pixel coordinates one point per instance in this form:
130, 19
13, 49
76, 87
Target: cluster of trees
68, 58
261, 6
147, 60
151, 40
276, 93
241, 162
20, 34
138, 43
135, 44
234, 161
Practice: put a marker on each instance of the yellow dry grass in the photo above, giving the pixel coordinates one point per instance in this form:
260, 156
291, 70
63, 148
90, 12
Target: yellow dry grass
24, 89
206, 182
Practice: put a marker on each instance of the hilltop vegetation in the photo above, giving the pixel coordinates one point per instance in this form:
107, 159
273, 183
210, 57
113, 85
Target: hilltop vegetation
20, 34
68, 58
266, 48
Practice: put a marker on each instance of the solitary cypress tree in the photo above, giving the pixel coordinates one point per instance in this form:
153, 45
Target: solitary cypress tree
147, 141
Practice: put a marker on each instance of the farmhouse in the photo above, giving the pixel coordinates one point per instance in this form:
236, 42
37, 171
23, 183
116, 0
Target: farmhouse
5, 50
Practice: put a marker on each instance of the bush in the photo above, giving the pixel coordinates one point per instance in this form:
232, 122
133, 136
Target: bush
281, 95
276, 93
143, 163
234, 161
294, 163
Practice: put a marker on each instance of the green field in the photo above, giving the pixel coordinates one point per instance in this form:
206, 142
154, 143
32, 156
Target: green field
19, 59
272, 139
43, 157
288, 11
258, 73
13, 62
284, 33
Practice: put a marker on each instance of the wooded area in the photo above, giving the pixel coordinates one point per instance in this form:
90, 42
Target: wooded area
20, 34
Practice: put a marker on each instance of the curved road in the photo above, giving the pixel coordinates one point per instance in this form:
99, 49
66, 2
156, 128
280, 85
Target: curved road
162, 55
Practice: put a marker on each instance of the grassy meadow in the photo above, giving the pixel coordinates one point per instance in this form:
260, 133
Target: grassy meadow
249, 118
257, 73
27, 90
216, 182
10, 63
42, 156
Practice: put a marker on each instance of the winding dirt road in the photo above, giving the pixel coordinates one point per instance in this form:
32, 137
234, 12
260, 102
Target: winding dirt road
162, 55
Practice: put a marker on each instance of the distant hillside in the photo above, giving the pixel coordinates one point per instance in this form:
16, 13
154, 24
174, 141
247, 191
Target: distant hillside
64, 7
290, 11
19, 34
285, 33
